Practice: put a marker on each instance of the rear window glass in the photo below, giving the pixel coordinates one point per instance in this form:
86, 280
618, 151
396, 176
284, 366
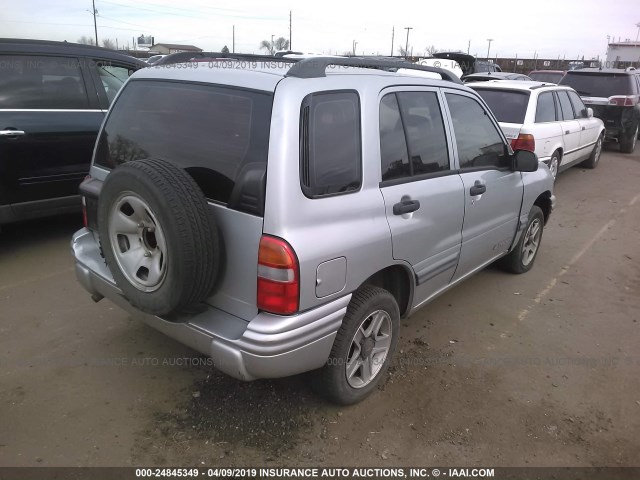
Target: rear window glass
219, 135
550, 77
599, 84
508, 106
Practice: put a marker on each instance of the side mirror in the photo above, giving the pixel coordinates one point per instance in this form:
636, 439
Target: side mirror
525, 161
589, 112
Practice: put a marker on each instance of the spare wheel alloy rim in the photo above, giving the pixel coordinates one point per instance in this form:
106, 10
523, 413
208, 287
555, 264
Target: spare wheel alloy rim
138, 242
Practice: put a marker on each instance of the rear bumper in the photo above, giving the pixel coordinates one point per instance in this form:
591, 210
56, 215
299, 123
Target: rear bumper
268, 346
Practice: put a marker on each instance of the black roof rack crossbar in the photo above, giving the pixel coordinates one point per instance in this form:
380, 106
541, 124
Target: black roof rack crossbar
183, 57
315, 67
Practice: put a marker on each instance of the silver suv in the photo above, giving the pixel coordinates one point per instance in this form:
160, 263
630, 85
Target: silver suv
282, 215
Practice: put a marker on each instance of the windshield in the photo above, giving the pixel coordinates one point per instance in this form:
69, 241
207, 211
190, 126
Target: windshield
598, 84
508, 106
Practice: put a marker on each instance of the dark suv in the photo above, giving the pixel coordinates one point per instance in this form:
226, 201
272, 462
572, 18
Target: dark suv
614, 96
53, 97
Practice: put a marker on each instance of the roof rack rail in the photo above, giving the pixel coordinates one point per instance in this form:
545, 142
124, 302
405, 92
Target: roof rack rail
183, 57
542, 84
315, 67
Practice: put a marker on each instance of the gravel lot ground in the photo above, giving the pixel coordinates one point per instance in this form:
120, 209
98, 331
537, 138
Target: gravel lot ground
534, 370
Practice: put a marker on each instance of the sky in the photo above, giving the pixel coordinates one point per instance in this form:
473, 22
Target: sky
547, 28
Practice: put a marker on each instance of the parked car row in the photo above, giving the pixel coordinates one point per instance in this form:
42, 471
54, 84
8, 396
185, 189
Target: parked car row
53, 98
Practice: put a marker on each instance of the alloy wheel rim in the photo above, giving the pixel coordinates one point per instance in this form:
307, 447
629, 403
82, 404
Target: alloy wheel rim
368, 349
138, 242
598, 150
553, 166
531, 241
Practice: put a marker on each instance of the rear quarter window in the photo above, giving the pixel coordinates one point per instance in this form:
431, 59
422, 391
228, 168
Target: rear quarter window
219, 135
330, 144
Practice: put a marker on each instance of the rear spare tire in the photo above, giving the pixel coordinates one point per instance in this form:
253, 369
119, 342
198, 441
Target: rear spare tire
158, 236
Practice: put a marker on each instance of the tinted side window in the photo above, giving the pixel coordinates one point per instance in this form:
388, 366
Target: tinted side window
546, 109
39, 82
394, 156
578, 106
330, 143
112, 78
478, 141
219, 135
424, 130
565, 104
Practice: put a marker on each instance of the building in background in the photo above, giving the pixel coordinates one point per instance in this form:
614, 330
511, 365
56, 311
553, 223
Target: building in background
623, 54
167, 48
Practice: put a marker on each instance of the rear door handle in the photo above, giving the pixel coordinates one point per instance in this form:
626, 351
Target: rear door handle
567, 132
406, 206
11, 133
583, 128
477, 189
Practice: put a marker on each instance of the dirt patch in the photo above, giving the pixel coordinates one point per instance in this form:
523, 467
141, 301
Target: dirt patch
226, 414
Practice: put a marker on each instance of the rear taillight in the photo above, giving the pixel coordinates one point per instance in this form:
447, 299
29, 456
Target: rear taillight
524, 141
624, 100
278, 277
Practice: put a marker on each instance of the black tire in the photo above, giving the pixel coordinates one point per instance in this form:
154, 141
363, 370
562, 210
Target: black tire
331, 380
628, 141
178, 213
594, 158
516, 261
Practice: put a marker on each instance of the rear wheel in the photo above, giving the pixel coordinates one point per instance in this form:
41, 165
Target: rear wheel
628, 141
594, 158
363, 347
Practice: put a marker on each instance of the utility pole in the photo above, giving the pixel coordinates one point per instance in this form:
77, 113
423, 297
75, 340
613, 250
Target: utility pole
272, 52
233, 44
393, 33
489, 47
406, 47
468, 47
290, 47
638, 34
95, 24
355, 44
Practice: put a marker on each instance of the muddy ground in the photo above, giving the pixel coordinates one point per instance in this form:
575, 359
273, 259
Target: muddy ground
540, 369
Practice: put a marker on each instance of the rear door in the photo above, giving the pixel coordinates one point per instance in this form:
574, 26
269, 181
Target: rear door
492, 191
590, 126
571, 129
49, 124
546, 126
422, 191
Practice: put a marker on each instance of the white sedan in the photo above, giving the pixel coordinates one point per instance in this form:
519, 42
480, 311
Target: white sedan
547, 119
